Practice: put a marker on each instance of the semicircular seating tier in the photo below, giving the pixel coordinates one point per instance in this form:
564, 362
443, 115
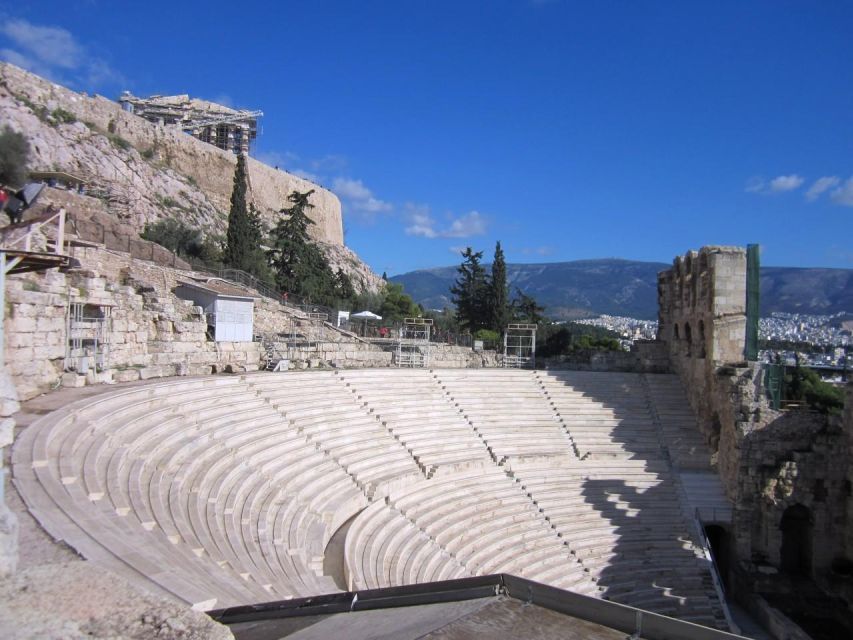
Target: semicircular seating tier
221, 491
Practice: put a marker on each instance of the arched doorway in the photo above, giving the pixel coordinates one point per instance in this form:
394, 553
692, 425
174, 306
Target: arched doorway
795, 555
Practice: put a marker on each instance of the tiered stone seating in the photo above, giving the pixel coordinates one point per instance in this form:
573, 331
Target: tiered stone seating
330, 415
625, 523
226, 490
419, 414
606, 414
199, 485
508, 409
677, 421
470, 523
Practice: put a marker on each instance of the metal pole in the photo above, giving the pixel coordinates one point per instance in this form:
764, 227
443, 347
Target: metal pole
60, 233
752, 302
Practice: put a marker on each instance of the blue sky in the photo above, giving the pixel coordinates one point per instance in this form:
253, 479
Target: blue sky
567, 130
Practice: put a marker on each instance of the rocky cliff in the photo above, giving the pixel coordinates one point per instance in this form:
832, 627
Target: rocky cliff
144, 172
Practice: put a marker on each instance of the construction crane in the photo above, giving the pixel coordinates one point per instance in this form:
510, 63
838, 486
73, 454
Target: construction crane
221, 119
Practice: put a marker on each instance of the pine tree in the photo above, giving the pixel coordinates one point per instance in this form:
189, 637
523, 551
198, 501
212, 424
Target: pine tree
299, 265
470, 292
526, 309
343, 286
498, 300
243, 239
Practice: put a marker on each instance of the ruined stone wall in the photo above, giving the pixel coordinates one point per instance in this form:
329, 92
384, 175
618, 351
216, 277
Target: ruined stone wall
702, 323
848, 453
792, 460
768, 460
158, 168
702, 305
151, 332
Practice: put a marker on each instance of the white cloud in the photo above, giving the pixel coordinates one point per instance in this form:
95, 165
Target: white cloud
422, 224
779, 184
755, 185
354, 189
53, 46
333, 163
306, 175
786, 183
820, 185
538, 251
420, 221
53, 52
844, 194
359, 197
471, 224
276, 159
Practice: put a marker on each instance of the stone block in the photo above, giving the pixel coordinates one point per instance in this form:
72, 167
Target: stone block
73, 381
125, 375
7, 432
154, 371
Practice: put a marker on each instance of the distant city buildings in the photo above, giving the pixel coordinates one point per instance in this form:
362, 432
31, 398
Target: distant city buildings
818, 341
216, 124
628, 328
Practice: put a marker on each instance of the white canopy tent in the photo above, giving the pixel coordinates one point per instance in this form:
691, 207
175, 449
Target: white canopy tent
365, 315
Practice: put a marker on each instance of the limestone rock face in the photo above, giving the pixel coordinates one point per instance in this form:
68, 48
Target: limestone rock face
146, 171
79, 600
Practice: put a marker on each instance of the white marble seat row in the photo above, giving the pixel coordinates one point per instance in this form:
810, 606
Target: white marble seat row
226, 491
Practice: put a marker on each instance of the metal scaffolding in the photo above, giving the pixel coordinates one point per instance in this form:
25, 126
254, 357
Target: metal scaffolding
88, 329
413, 345
520, 346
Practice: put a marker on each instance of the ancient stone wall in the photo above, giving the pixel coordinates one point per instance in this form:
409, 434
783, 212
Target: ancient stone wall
702, 304
793, 460
702, 323
147, 334
769, 461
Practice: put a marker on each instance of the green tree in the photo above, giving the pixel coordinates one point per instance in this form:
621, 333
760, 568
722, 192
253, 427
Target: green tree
243, 239
299, 265
526, 309
343, 287
470, 292
14, 157
397, 304
498, 300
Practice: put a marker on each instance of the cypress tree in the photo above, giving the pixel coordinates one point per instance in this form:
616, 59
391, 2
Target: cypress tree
243, 239
499, 299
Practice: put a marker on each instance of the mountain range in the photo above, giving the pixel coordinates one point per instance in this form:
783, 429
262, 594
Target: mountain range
614, 286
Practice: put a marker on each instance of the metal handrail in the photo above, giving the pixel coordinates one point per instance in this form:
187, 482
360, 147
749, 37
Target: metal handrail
715, 574
60, 233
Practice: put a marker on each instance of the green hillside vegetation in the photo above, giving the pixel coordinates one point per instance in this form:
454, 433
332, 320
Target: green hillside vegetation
574, 338
804, 385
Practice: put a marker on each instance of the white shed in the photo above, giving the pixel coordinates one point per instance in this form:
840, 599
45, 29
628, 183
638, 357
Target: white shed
229, 309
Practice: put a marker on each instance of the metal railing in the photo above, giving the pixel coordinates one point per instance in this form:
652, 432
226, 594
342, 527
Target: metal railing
712, 567
27, 238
